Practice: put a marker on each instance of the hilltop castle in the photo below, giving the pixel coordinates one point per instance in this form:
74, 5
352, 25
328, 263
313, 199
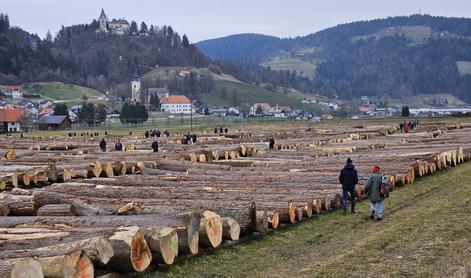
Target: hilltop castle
115, 26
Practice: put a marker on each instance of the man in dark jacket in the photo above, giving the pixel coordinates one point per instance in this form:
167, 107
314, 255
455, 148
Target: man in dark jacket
348, 178
118, 146
103, 145
372, 189
155, 146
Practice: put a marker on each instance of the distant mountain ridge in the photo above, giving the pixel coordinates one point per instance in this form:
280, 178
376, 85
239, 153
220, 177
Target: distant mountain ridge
406, 56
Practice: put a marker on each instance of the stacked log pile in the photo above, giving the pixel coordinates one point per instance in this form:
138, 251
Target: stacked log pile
68, 208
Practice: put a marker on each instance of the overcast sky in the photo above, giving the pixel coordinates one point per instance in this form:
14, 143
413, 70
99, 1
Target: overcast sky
206, 19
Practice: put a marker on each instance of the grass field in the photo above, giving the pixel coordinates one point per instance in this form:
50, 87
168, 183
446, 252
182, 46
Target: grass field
416, 33
418, 100
426, 232
293, 64
464, 67
70, 94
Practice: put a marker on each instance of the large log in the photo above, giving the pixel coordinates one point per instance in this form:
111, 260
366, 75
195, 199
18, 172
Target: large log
186, 225
131, 252
21, 268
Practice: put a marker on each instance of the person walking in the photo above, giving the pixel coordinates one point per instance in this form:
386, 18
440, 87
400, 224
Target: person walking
348, 178
155, 146
103, 145
118, 146
373, 189
271, 144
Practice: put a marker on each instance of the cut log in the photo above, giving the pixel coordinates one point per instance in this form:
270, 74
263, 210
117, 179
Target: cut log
230, 228
23, 268
55, 210
262, 222
98, 249
72, 265
80, 208
273, 219
163, 242
186, 224
107, 171
94, 169
210, 230
4, 209
11, 154
131, 252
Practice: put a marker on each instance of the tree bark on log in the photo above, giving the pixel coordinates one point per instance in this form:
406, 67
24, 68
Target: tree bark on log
55, 210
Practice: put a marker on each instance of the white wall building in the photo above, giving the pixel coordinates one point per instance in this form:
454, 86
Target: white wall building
176, 104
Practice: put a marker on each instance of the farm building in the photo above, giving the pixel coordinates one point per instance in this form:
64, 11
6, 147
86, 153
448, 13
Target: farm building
54, 123
10, 119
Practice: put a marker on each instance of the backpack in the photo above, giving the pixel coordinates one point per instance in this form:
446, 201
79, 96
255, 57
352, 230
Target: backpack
384, 188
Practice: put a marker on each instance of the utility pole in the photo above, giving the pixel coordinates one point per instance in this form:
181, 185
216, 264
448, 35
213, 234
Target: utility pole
386, 101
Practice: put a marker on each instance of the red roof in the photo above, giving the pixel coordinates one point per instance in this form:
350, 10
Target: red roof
12, 88
10, 115
175, 99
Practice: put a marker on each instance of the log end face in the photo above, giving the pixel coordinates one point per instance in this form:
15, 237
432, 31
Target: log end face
141, 257
274, 220
27, 268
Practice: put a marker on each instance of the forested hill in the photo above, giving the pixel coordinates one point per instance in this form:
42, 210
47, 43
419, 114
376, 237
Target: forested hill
411, 55
81, 55
236, 47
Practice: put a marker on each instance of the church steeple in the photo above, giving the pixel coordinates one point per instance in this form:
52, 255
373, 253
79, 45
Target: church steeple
103, 15
103, 21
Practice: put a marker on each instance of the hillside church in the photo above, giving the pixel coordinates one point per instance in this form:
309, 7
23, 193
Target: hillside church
115, 26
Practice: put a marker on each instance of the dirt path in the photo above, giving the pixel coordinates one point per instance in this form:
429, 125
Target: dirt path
426, 232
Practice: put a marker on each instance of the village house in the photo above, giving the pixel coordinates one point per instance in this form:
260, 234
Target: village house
280, 111
54, 123
45, 112
15, 92
10, 120
233, 111
176, 104
45, 103
218, 111
26, 104
73, 116
264, 108
112, 114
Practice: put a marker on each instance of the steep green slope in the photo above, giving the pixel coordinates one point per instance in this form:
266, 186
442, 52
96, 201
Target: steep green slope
68, 93
227, 90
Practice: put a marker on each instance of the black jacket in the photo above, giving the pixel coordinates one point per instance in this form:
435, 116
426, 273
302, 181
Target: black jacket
103, 144
348, 177
155, 146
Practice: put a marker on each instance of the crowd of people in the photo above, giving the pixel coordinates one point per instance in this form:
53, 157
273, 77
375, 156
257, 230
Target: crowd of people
156, 133
221, 130
407, 126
